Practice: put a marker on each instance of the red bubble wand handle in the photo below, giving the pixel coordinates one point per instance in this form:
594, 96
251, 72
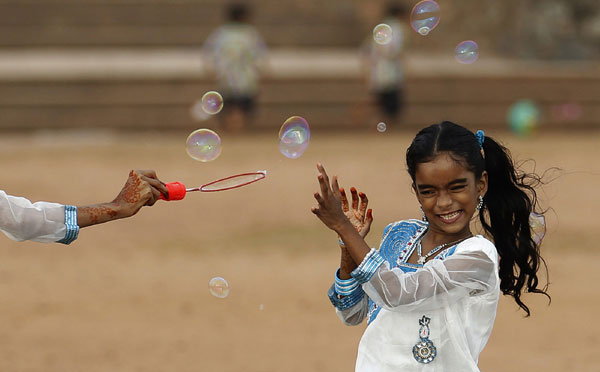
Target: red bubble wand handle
176, 191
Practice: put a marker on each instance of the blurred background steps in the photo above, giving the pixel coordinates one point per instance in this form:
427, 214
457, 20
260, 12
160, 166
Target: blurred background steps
155, 90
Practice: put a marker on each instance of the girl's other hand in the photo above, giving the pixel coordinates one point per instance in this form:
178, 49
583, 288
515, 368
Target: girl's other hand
357, 214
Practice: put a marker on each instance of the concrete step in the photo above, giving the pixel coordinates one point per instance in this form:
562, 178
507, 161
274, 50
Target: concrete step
155, 90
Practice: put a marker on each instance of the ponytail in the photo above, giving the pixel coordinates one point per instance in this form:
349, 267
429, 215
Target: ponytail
509, 202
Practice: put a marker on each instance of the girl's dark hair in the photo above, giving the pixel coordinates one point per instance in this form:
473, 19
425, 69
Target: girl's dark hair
509, 201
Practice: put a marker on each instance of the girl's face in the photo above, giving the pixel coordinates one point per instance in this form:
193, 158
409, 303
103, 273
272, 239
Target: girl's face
448, 193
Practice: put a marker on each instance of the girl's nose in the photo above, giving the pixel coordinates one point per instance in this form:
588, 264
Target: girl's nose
444, 200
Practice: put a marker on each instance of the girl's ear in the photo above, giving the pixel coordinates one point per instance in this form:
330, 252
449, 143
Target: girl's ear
414, 189
482, 183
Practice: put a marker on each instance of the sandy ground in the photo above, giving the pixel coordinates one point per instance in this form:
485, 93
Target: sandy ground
132, 295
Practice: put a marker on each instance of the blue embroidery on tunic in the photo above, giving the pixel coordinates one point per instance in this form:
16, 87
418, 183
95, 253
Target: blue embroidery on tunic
397, 245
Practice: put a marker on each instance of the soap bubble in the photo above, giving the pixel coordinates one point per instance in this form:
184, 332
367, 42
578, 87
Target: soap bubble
466, 52
425, 16
218, 287
294, 136
381, 127
523, 117
212, 102
537, 222
203, 145
382, 34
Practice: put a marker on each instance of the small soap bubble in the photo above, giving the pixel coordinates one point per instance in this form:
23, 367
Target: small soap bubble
218, 287
425, 16
381, 127
382, 34
203, 145
523, 117
466, 52
212, 102
537, 222
197, 111
294, 136
261, 307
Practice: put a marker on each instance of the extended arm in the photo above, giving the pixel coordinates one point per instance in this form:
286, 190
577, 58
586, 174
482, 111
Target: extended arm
46, 222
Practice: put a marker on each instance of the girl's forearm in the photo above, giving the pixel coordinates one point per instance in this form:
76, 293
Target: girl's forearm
355, 245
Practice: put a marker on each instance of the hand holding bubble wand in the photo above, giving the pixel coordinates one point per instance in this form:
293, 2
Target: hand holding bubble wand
178, 190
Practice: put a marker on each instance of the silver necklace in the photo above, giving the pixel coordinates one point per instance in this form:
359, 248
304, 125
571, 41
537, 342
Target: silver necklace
422, 259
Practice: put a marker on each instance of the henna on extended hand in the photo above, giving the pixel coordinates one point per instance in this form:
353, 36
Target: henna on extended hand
96, 214
131, 191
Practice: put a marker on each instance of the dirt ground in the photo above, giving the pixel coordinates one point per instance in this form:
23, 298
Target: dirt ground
132, 295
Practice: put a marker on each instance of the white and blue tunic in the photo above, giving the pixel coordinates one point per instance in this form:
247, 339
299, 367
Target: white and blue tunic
43, 222
457, 291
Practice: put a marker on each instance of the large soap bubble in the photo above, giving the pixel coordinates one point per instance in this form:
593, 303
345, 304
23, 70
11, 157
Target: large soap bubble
294, 136
466, 52
425, 16
203, 145
212, 102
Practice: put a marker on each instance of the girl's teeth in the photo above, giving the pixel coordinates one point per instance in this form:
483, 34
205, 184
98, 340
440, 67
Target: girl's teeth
449, 216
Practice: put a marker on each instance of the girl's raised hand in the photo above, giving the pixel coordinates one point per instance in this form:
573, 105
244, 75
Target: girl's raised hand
334, 210
329, 210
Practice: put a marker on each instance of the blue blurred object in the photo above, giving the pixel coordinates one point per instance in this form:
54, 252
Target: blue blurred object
523, 117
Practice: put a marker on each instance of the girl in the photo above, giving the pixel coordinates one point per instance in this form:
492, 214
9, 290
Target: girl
430, 292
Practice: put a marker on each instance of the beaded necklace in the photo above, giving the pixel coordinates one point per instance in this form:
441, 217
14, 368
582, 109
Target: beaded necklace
422, 259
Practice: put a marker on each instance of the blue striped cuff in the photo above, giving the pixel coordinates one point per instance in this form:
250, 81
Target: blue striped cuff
344, 287
367, 268
346, 302
70, 224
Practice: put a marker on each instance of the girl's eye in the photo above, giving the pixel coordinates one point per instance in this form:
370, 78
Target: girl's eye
426, 192
457, 188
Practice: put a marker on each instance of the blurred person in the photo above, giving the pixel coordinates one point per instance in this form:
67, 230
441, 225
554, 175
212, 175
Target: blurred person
236, 51
46, 222
383, 66
430, 292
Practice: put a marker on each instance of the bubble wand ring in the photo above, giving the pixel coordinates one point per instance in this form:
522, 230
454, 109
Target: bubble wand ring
177, 190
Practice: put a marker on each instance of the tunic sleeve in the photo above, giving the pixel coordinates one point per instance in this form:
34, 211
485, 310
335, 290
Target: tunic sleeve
43, 222
468, 272
349, 300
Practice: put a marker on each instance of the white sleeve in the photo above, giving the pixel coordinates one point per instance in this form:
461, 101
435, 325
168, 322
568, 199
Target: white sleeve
43, 222
356, 314
437, 283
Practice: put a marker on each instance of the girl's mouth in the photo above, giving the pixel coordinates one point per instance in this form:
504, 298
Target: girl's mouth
450, 217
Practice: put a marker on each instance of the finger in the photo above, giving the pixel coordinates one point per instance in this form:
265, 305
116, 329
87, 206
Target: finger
315, 210
155, 195
319, 198
367, 226
146, 172
354, 198
344, 200
155, 183
323, 185
364, 201
335, 187
324, 173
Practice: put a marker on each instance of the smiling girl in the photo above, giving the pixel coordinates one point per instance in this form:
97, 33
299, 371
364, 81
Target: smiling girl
430, 292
